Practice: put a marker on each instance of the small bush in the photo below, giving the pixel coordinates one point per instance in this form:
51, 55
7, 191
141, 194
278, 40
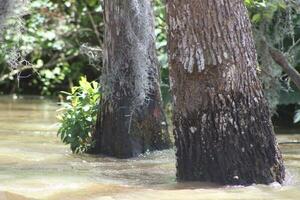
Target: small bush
78, 116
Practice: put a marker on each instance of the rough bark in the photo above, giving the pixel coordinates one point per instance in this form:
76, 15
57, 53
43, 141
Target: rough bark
222, 127
131, 119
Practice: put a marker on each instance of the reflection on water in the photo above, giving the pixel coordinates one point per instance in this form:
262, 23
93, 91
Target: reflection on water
35, 165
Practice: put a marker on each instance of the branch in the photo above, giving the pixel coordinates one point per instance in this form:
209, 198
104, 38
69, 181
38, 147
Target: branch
282, 61
17, 71
93, 24
52, 63
294, 46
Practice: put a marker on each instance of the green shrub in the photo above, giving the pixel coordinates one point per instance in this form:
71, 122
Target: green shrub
78, 116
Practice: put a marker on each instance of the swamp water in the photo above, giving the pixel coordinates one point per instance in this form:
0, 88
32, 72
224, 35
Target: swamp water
34, 164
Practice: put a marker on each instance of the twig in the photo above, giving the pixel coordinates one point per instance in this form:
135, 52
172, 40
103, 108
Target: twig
93, 24
294, 46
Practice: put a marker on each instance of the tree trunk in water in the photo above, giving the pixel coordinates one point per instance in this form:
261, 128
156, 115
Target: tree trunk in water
222, 125
131, 120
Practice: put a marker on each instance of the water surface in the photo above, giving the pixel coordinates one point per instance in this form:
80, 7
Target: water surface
34, 164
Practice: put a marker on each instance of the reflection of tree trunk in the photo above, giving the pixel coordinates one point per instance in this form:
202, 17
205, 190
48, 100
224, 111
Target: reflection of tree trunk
131, 119
222, 123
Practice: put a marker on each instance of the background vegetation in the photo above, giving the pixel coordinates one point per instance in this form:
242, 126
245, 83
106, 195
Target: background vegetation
78, 116
62, 41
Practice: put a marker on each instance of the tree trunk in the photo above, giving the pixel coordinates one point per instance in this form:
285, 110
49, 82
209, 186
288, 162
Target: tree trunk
131, 119
222, 127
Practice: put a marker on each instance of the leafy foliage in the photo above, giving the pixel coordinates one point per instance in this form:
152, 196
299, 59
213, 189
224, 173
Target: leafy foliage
161, 45
78, 116
55, 31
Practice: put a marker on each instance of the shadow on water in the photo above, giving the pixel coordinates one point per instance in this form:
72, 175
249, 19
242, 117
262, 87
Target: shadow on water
34, 164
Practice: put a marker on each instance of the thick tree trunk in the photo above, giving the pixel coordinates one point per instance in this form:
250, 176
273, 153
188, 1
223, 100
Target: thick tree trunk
131, 120
223, 131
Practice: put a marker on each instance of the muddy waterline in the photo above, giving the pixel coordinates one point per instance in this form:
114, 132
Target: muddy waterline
34, 164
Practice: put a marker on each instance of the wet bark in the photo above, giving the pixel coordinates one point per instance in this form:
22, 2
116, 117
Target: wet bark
222, 127
131, 119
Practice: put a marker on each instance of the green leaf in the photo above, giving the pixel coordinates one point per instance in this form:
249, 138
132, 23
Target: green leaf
256, 18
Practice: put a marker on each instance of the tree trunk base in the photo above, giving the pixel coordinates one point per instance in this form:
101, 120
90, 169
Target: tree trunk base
228, 143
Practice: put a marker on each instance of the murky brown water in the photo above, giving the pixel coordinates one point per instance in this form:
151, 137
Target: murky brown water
34, 164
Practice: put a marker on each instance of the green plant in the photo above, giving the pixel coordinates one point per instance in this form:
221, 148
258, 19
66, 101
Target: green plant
78, 116
51, 39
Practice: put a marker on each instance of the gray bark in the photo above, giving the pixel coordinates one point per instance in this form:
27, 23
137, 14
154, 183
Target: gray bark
222, 127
